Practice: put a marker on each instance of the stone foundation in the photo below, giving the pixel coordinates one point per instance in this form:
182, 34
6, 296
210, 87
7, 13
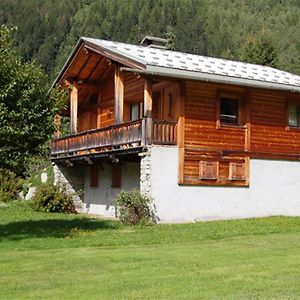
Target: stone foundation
71, 180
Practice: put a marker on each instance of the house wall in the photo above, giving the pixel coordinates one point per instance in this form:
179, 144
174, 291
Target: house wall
264, 133
99, 200
274, 190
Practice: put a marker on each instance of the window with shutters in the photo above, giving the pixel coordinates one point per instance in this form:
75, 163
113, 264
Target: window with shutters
94, 176
116, 172
237, 171
208, 170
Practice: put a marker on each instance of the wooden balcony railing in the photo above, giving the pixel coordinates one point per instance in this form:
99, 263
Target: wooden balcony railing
118, 137
164, 132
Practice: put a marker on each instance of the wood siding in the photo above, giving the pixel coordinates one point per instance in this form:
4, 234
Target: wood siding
264, 134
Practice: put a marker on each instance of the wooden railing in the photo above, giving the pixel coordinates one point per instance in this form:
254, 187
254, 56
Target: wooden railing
164, 132
118, 137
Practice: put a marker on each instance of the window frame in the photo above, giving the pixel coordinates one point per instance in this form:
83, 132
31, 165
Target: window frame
289, 102
94, 176
234, 95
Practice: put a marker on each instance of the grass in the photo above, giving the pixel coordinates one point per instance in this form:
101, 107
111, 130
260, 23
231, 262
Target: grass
54, 256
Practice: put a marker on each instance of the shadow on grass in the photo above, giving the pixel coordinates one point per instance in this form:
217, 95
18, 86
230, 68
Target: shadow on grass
58, 228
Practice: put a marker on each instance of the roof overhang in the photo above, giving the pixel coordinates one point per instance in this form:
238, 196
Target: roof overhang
190, 75
138, 65
109, 53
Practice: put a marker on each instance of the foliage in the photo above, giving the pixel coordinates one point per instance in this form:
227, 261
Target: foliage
26, 108
260, 50
170, 37
49, 198
134, 208
49, 30
10, 185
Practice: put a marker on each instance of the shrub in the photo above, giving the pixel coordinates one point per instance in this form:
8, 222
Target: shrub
134, 208
50, 198
10, 185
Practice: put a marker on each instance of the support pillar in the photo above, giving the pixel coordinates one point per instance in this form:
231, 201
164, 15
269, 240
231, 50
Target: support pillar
119, 96
148, 111
73, 109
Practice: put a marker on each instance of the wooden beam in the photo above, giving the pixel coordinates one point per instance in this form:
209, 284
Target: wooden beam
248, 121
95, 67
181, 133
99, 109
73, 109
57, 126
106, 72
148, 111
148, 99
119, 95
87, 58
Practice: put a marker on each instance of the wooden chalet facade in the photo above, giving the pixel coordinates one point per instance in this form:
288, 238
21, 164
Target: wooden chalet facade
190, 126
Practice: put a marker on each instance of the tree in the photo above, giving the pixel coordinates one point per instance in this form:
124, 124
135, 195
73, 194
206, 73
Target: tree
26, 108
260, 50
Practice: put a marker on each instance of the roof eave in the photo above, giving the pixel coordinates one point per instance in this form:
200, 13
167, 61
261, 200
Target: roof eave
67, 64
118, 57
183, 74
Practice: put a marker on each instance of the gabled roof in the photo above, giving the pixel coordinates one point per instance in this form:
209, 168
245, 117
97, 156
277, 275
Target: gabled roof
163, 62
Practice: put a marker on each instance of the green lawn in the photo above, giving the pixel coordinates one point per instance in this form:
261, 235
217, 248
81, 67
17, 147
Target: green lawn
52, 256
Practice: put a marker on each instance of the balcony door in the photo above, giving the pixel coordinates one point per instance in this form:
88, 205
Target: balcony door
166, 102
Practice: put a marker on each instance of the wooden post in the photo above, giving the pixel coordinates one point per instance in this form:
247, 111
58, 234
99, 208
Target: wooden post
99, 110
248, 121
148, 110
119, 96
57, 126
73, 109
181, 133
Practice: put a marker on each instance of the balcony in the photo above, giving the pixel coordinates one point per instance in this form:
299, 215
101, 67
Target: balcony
123, 137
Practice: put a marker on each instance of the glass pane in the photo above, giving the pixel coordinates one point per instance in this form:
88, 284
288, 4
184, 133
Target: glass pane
293, 115
134, 112
229, 111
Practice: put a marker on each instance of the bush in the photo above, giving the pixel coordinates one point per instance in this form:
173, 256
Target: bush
49, 198
134, 208
10, 185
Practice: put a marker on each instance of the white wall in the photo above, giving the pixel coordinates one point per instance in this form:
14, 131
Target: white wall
99, 200
274, 190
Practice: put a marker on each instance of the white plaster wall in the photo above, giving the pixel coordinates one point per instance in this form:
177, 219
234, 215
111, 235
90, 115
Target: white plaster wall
99, 200
274, 190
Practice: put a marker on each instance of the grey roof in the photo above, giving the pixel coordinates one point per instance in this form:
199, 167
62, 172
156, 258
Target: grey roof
185, 65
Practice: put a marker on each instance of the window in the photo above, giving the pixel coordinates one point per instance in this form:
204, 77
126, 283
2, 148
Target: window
229, 111
94, 176
293, 115
237, 171
231, 108
134, 111
116, 175
208, 170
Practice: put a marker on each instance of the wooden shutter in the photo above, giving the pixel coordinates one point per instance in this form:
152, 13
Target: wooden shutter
237, 171
209, 170
116, 171
94, 176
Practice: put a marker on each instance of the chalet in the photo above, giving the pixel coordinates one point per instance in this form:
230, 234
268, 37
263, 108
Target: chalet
206, 138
